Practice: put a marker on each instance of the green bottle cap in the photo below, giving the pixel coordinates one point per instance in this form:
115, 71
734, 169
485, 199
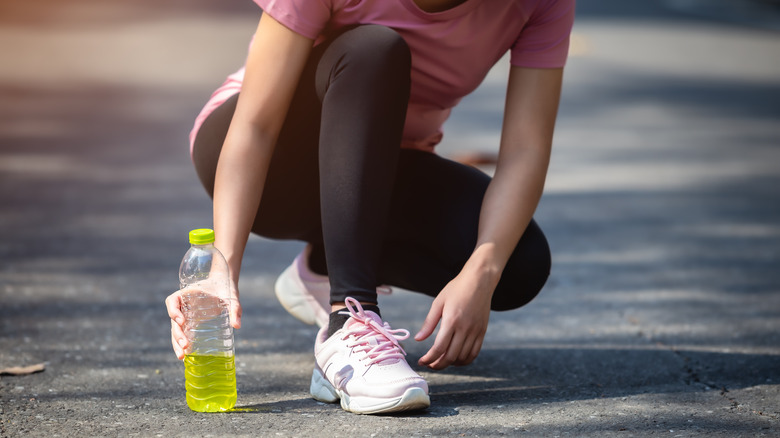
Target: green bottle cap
202, 236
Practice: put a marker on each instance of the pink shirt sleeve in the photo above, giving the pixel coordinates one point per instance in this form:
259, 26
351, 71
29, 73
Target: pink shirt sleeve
544, 40
305, 17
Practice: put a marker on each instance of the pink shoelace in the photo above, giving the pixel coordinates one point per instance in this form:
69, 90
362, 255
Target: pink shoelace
378, 341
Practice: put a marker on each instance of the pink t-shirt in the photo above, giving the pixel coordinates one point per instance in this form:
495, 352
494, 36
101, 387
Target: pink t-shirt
452, 51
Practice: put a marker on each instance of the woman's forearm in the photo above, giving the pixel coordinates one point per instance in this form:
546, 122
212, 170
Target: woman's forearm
514, 192
238, 187
507, 209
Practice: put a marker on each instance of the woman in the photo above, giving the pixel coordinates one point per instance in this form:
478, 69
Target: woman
328, 137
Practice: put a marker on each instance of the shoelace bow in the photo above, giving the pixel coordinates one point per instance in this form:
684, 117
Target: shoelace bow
387, 346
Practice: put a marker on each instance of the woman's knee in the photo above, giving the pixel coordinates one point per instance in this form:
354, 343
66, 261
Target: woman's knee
525, 273
367, 53
381, 46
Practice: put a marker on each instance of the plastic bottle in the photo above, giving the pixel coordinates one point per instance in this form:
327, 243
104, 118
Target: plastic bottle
209, 363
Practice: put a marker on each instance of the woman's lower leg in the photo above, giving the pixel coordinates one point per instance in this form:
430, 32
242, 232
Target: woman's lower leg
363, 82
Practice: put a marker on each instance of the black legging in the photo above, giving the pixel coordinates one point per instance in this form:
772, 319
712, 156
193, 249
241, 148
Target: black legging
338, 179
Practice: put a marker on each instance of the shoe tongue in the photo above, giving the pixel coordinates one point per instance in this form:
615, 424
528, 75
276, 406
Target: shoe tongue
369, 314
373, 341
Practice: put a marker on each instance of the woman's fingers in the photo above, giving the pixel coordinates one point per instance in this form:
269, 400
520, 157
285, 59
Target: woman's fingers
430, 323
179, 341
464, 356
477, 347
456, 344
439, 348
173, 304
451, 353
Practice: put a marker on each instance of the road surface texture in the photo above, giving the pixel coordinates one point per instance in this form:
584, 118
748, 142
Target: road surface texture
662, 207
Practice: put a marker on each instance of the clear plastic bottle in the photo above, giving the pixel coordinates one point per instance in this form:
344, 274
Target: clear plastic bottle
209, 363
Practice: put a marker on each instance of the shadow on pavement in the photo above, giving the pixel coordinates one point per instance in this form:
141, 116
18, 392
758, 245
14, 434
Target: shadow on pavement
565, 373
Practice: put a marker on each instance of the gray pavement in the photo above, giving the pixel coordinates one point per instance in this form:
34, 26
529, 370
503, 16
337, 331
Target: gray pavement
661, 317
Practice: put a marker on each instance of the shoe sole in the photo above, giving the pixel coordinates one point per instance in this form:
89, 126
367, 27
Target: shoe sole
294, 302
412, 399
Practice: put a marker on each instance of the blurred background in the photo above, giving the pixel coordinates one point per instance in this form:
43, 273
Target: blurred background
97, 99
662, 208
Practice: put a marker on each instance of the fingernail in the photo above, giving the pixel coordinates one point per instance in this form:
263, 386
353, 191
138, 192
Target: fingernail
182, 342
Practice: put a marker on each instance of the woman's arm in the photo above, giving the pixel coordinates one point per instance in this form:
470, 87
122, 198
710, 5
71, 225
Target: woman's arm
463, 306
526, 142
274, 65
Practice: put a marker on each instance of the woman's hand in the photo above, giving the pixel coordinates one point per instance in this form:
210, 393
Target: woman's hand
463, 307
179, 340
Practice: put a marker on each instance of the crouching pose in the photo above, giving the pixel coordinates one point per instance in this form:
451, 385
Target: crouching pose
327, 136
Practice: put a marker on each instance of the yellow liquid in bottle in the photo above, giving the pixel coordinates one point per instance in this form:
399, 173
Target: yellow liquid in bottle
210, 382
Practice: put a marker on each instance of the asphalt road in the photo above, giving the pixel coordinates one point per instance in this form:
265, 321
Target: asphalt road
662, 207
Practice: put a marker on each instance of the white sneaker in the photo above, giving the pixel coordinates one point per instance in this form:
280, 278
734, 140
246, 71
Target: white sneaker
363, 365
305, 294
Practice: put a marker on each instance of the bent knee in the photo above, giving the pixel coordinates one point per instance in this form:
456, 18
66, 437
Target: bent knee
373, 46
513, 296
525, 273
